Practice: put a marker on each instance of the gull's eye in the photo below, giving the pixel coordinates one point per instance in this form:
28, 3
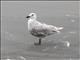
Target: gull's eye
32, 14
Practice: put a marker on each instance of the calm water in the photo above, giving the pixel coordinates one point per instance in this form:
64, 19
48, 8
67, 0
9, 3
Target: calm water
17, 43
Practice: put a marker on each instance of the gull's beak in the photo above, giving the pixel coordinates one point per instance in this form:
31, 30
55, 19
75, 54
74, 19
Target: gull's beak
28, 17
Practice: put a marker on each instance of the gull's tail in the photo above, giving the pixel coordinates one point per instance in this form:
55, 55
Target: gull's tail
58, 29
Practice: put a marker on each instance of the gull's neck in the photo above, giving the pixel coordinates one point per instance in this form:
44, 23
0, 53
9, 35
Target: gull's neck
33, 19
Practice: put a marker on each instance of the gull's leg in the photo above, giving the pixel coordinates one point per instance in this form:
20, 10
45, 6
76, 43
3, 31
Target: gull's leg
39, 43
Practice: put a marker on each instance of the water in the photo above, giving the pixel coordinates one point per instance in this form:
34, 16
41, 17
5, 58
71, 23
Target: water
18, 44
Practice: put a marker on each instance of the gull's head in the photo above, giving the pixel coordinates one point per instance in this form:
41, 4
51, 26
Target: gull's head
32, 16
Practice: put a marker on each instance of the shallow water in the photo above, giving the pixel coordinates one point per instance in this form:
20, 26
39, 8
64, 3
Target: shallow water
18, 44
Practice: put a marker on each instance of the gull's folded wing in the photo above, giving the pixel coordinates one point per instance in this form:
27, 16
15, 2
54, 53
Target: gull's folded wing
43, 29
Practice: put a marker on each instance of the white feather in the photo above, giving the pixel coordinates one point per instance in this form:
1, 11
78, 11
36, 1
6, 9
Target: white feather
38, 26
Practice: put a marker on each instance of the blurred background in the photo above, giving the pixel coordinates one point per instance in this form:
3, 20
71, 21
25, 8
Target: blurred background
17, 43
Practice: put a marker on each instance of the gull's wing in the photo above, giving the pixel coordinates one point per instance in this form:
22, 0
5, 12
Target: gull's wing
43, 29
42, 26
52, 28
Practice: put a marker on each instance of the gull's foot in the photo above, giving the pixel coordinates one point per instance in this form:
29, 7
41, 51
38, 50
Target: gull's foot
37, 44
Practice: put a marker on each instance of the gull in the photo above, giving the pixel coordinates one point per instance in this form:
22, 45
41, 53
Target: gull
39, 29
